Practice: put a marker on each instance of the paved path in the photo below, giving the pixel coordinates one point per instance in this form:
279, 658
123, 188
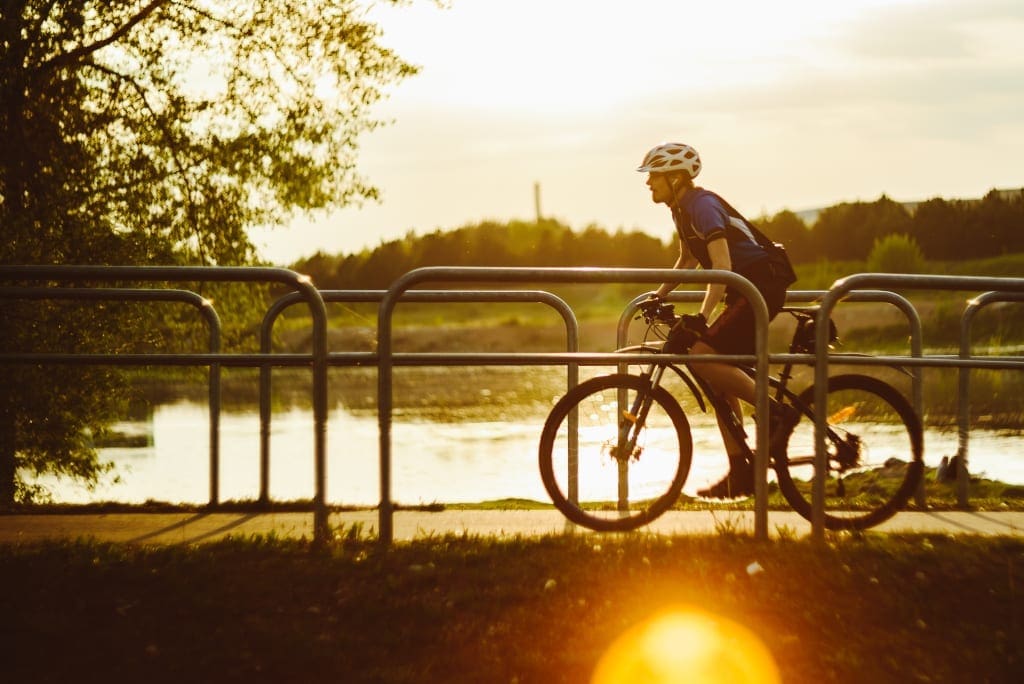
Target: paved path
188, 528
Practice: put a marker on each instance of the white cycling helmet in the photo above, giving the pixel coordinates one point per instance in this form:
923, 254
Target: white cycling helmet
669, 157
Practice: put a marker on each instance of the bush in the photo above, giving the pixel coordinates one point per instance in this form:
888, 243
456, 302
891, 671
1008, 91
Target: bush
896, 253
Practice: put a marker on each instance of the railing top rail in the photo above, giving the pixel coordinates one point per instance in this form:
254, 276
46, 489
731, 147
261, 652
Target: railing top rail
200, 303
426, 296
126, 294
898, 281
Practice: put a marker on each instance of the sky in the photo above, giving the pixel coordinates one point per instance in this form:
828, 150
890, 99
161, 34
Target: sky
792, 104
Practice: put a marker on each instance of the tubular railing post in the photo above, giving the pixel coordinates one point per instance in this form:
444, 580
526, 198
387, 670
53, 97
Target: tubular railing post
203, 305
963, 405
385, 372
916, 344
321, 529
964, 387
585, 275
213, 374
279, 305
839, 289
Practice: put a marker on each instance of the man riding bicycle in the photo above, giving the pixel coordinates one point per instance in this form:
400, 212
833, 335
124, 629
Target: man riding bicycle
713, 235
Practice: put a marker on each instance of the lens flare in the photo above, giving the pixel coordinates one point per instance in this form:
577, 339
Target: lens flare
687, 645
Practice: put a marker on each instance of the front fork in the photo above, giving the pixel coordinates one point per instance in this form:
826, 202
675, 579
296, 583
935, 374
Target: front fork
631, 420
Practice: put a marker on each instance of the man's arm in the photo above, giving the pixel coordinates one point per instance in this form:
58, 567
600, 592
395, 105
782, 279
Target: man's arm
718, 250
685, 260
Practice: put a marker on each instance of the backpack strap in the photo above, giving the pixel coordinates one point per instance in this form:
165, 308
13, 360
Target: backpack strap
782, 267
761, 238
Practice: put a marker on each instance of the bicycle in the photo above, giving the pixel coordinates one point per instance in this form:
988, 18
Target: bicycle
634, 445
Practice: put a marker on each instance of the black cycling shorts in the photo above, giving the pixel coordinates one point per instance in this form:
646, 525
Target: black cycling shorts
733, 331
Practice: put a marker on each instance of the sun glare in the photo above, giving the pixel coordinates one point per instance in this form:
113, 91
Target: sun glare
687, 645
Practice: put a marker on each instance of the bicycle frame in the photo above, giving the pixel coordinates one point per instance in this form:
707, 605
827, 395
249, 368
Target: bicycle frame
701, 390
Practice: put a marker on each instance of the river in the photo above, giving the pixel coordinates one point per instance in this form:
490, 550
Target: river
446, 461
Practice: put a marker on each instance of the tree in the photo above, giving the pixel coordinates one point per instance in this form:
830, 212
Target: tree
896, 253
999, 223
849, 230
160, 131
939, 227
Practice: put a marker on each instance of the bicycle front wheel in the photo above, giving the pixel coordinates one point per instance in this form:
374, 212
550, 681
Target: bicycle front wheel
630, 457
874, 446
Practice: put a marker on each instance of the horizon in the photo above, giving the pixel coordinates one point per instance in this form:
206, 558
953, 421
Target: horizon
808, 216
810, 105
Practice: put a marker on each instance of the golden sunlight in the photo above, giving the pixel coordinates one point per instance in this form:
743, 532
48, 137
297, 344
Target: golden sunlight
578, 56
687, 645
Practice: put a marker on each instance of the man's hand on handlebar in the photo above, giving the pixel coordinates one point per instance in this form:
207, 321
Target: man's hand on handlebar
654, 308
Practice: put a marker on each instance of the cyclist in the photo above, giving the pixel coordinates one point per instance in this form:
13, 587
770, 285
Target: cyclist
712, 235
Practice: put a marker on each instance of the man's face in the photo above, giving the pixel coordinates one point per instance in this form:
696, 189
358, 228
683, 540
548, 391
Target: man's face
661, 190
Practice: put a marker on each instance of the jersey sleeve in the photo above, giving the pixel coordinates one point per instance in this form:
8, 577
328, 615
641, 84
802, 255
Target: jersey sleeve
709, 218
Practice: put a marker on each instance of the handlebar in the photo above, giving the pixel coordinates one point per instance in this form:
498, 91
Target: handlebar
656, 311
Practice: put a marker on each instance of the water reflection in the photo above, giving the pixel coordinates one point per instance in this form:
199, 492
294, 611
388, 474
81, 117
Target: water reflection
433, 461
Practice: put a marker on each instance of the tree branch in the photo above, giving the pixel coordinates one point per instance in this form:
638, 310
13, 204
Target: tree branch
78, 54
172, 148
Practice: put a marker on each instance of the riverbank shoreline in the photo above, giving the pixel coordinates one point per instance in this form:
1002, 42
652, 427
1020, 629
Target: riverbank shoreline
200, 527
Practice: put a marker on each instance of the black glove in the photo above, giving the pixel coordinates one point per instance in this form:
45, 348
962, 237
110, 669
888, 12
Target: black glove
688, 330
649, 307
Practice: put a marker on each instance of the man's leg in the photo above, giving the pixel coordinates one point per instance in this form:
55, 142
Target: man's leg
728, 380
739, 481
731, 445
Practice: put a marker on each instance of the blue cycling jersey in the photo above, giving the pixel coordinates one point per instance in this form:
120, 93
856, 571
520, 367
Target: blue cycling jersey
701, 218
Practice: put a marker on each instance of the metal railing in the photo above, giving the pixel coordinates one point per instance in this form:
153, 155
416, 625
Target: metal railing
561, 275
859, 287
376, 296
887, 281
222, 274
200, 303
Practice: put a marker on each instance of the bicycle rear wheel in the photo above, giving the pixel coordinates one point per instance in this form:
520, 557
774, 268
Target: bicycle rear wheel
874, 444
633, 456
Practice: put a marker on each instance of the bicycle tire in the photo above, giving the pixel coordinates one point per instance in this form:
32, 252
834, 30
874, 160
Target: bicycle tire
871, 433
655, 481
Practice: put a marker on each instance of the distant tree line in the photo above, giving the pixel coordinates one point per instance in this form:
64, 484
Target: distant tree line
516, 243
944, 230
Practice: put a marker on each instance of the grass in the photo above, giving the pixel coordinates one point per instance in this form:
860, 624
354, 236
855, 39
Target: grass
984, 495
466, 609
